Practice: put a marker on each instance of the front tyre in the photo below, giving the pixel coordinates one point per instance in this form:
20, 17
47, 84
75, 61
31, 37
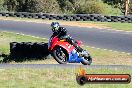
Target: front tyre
60, 55
87, 60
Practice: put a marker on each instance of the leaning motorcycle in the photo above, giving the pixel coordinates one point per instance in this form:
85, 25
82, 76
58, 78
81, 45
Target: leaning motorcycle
63, 52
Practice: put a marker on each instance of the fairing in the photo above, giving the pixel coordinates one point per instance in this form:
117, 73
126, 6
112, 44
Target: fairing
72, 53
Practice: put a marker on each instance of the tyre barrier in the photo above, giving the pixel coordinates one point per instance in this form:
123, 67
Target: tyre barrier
74, 17
28, 50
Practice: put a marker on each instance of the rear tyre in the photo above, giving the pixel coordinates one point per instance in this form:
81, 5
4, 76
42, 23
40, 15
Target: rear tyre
60, 55
87, 60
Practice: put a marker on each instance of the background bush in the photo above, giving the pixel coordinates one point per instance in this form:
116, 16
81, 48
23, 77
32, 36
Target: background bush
95, 7
46, 6
105, 7
117, 4
130, 8
66, 6
2, 7
111, 10
88, 6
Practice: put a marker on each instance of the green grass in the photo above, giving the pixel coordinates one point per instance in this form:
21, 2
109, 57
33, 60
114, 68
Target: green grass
54, 78
120, 26
100, 56
104, 57
115, 25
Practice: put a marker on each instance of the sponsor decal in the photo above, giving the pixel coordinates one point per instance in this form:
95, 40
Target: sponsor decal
83, 78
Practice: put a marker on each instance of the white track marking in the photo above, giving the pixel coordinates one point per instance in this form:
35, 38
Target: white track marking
107, 50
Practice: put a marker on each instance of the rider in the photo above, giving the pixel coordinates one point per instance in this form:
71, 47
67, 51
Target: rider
61, 32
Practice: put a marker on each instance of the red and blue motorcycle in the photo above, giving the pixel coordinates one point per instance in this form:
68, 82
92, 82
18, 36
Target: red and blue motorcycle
63, 52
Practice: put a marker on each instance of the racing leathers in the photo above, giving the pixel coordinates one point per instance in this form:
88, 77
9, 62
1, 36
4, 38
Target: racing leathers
62, 34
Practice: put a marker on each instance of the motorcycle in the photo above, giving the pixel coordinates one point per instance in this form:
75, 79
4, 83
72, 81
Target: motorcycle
63, 52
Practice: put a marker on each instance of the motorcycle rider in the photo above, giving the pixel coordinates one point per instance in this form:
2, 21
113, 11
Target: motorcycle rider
61, 32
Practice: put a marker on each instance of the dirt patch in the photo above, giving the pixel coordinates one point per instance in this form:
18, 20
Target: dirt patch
67, 23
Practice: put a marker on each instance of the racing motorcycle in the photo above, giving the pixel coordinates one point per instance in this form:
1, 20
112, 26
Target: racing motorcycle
63, 52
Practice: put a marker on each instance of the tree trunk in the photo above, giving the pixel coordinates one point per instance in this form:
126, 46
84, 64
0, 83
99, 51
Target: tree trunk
126, 7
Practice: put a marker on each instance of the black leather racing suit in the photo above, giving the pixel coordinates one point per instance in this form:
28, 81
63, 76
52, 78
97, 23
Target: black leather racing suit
62, 34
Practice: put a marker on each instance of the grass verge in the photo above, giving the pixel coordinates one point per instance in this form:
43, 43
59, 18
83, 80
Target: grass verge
112, 25
115, 25
100, 56
54, 78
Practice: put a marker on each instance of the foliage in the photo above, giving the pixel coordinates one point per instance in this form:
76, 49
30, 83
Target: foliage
111, 10
2, 7
88, 6
25, 5
110, 7
66, 6
95, 7
11, 5
117, 4
47, 6
130, 8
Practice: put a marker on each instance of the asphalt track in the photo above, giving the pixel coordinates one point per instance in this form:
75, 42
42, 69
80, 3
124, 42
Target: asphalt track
3, 66
106, 39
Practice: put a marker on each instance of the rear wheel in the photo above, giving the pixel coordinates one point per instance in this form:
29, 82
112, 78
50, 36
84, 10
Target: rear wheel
87, 60
60, 55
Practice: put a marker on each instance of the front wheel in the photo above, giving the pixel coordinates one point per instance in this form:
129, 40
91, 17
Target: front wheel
60, 55
87, 60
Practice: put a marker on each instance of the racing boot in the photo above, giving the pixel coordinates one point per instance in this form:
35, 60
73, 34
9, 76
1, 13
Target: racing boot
83, 53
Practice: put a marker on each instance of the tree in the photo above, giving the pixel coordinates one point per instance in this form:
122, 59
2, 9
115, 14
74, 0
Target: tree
2, 6
26, 6
66, 5
130, 7
126, 7
47, 6
11, 5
